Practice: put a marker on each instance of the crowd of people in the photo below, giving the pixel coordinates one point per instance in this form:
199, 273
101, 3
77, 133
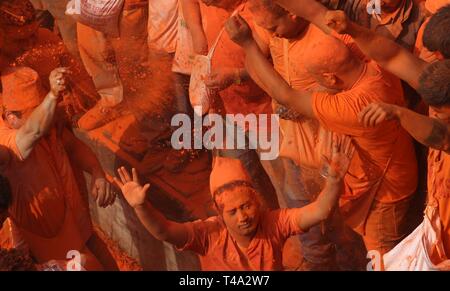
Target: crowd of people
362, 95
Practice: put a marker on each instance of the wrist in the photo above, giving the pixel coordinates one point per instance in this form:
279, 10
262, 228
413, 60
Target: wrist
139, 207
398, 111
249, 44
52, 96
334, 181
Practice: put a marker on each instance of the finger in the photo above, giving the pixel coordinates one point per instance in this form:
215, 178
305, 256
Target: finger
113, 198
145, 188
118, 182
101, 194
380, 119
349, 146
94, 193
363, 112
351, 152
374, 117
135, 175
110, 194
122, 177
367, 117
329, 145
126, 174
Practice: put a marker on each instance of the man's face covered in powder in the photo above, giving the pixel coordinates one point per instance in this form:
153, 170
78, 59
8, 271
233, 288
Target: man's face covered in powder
240, 210
285, 26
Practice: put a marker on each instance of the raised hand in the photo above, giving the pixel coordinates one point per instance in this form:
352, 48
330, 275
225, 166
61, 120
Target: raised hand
132, 190
337, 162
59, 81
338, 21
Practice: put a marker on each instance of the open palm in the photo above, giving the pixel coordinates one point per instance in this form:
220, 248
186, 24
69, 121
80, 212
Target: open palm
132, 190
341, 152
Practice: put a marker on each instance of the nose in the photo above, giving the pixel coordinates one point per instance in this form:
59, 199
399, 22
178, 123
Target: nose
242, 216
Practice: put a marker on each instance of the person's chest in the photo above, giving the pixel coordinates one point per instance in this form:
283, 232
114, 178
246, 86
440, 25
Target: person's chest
263, 253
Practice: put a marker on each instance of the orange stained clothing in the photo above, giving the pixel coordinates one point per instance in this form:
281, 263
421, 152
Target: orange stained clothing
300, 140
288, 55
163, 25
247, 97
374, 145
220, 252
439, 188
46, 207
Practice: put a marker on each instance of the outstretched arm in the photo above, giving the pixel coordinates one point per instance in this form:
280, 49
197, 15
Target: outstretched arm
155, 223
41, 119
86, 160
428, 131
335, 167
310, 10
388, 54
262, 71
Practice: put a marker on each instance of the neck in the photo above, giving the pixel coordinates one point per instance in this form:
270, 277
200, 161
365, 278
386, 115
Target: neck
354, 74
242, 240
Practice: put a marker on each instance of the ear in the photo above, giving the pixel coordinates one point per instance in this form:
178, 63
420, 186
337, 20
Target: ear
10, 117
330, 79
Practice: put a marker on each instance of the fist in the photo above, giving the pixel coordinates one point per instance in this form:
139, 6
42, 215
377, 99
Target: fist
337, 21
239, 30
59, 81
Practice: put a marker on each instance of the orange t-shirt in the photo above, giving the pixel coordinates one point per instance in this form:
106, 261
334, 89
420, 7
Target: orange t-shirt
300, 140
220, 252
46, 206
374, 146
288, 55
439, 188
247, 97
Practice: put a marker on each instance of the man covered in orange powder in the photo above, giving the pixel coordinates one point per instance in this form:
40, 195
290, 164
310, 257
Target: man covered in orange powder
25, 43
243, 236
234, 92
47, 208
383, 174
432, 81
